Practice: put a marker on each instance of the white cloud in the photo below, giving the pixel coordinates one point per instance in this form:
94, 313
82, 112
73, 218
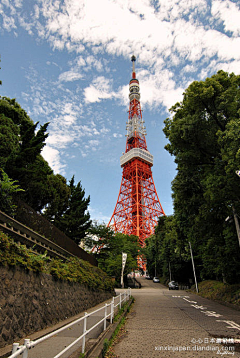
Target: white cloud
145, 30
135, 26
101, 218
176, 41
52, 156
58, 139
117, 135
69, 76
229, 13
8, 21
94, 143
98, 90
159, 88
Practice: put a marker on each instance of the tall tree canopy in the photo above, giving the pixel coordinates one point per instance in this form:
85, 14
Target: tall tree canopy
167, 254
204, 137
109, 247
20, 151
21, 143
75, 218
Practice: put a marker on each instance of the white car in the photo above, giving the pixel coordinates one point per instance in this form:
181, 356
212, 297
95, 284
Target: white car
156, 279
173, 285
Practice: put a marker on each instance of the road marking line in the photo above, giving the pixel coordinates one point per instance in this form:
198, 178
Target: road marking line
211, 314
199, 307
231, 324
189, 301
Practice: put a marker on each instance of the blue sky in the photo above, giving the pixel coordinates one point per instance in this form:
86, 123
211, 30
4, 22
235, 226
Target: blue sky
67, 62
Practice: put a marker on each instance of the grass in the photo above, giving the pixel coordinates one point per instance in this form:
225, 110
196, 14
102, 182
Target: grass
72, 270
220, 291
122, 309
108, 346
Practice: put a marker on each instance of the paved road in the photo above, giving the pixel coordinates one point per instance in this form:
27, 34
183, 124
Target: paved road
179, 324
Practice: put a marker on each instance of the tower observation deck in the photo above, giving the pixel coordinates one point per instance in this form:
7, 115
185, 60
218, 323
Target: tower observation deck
138, 207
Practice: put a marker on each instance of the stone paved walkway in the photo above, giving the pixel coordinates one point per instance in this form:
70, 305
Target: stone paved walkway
158, 327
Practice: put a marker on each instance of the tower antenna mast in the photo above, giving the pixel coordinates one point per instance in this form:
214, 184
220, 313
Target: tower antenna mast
138, 207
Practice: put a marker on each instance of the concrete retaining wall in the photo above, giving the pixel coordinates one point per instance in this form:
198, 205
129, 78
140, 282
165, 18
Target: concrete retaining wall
30, 302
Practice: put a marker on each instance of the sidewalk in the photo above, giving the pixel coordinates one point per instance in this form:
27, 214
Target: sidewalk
52, 346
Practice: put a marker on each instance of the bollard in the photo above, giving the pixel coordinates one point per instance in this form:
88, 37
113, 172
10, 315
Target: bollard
84, 331
105, 317
26, 343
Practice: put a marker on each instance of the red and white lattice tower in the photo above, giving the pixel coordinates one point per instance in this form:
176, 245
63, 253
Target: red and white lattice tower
138, 207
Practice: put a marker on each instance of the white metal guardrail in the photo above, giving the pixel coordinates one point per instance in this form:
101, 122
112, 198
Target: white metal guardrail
17, 349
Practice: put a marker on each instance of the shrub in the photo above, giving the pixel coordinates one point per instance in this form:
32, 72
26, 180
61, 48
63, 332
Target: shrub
72, 270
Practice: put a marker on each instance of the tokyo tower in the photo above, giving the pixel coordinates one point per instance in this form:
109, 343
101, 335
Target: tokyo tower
138, 207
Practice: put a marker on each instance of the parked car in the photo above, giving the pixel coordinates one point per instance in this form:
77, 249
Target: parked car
156, 279
147, 277
173, 285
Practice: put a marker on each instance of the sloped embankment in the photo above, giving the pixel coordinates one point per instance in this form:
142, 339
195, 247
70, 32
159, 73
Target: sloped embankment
37, 292
221, 292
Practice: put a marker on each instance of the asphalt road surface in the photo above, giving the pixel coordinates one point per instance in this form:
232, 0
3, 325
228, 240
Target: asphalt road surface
165, 323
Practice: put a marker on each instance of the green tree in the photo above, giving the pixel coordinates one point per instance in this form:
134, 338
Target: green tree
59, 196
204, 137
110, 257
8, 187
20, 157
97, 235
108, 248
75, 220
9, 139
166, 254
20, 150
0, 69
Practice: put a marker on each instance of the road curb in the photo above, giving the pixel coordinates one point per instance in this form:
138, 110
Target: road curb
96, 351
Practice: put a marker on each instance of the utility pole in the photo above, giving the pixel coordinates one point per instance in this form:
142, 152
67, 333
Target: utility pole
235, 215
236, 223
193, 267
124, 259
170, 273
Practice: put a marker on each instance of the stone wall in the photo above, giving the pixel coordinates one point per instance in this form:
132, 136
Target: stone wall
30, 302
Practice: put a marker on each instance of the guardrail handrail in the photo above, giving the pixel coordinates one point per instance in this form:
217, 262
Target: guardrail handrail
30, 237
17, 349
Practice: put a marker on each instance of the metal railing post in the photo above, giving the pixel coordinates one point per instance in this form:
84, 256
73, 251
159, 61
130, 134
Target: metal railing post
23, 350
129, 292
26, 343
105, 317
15, 347
112, 310
84, 331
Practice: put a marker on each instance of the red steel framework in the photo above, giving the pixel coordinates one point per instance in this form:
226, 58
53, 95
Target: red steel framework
138, 207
